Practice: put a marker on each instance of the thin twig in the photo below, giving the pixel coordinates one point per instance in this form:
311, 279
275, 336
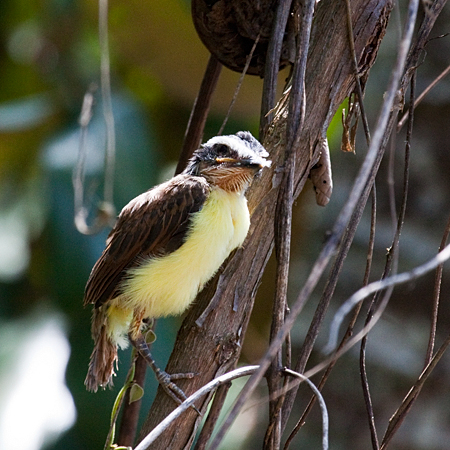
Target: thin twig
321, 384
339, 227
359, 90
343, 250
199, 113
272, 66
322, 404
130, 413
410, 396
185, 406
440, 258
423, 34
296, 100
213, 416
398, 417
391, 183
239, 85
436, 295
443, 74
363, 293
105, 211
379, 285
327, 294
105, 85
373, 221
366, 393
391, 264
117, 406
324, 302
78, 176
283, 219
402, 411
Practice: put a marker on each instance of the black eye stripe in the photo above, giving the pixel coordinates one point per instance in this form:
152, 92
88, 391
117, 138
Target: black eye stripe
222, 149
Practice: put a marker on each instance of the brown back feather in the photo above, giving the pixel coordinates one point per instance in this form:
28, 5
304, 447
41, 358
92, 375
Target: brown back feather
154, 223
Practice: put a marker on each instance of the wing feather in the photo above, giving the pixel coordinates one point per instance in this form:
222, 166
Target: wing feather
153, 224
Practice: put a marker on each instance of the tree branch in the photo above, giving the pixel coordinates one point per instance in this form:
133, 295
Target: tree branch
214, 347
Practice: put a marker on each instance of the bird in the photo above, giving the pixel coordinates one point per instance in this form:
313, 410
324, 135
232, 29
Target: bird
166, 244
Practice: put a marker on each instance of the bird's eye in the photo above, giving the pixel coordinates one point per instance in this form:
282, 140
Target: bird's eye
222, 150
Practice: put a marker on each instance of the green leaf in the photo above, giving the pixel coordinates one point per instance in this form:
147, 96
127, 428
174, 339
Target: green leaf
150, 337
136, 393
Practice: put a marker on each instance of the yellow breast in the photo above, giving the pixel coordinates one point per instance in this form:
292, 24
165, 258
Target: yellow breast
167, 285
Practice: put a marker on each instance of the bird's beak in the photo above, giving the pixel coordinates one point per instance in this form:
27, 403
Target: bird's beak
226, 160
254, 162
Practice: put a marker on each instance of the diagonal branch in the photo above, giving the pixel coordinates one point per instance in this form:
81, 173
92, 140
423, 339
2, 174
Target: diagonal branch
283, 216
212, 348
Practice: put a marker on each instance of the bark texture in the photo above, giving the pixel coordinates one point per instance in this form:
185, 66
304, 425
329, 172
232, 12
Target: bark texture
210, 338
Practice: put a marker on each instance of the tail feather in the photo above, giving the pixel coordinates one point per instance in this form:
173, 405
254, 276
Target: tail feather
104, 356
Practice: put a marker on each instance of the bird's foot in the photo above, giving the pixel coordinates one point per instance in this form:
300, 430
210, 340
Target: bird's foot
170, 388
164, 379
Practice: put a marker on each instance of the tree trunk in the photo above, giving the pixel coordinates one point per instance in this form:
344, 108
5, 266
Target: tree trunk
209, 343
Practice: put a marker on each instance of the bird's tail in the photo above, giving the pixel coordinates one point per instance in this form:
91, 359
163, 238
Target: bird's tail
104, 356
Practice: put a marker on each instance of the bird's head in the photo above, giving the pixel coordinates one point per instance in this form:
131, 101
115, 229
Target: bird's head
229, 162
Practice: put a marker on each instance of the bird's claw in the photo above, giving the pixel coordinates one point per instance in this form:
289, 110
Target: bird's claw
171, 389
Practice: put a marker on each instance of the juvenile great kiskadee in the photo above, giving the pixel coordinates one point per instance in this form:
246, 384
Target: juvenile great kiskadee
166, 244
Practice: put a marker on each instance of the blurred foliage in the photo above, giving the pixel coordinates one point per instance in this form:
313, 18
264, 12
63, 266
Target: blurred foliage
49, 56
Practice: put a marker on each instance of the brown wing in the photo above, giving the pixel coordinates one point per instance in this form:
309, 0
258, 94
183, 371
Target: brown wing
154, 223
